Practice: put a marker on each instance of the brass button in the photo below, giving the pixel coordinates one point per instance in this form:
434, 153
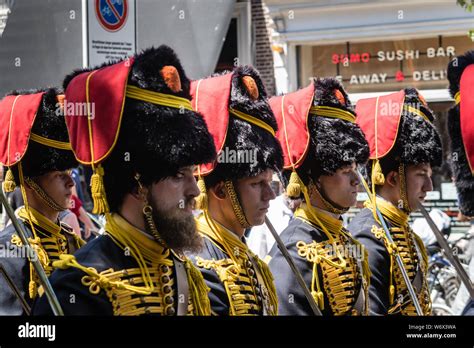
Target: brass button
169, 300
165, 269
170, 311
165, 279
257, 290
251, 272
167, 289
249, 264
254, 281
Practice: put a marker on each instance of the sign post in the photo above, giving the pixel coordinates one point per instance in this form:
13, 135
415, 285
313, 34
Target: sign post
109, 28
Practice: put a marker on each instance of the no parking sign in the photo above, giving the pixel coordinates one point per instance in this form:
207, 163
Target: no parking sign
110, 30
111, 14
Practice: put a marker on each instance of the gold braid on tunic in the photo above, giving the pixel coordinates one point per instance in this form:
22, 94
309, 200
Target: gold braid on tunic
238, 271
340, 261
413, 254
148, 288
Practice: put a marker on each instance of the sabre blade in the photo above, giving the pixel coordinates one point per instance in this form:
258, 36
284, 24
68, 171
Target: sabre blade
449, 254
295, 270
33, 258
398, 259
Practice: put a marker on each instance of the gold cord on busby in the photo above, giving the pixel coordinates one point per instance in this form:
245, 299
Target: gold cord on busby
9, 182
293, 190
98, 191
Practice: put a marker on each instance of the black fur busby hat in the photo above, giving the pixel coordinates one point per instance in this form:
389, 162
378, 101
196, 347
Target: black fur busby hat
37, 155
238, 115
320, 129
335, 142
157, 133
460, 128
405, 131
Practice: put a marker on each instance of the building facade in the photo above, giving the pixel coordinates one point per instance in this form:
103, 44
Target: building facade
375, 47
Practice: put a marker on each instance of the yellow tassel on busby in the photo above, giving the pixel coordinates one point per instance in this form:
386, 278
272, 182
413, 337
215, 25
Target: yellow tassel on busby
293, 190
9, 182
98, 191
377, 174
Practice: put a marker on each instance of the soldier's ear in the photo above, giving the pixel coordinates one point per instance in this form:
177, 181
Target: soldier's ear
218, 191
392, 178
139, 193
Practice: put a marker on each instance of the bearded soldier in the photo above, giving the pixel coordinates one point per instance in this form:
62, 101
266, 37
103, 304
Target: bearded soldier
35, 147
404, 146
236, 190
142, 139
322, 147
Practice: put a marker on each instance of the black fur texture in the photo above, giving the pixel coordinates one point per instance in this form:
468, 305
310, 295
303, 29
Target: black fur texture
324, 94
244, 137
417, 142
456, 68
463, 178
49, 123
154, 141
334, 143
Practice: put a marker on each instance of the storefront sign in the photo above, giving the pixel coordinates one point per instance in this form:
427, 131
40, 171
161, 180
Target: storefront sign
389, 65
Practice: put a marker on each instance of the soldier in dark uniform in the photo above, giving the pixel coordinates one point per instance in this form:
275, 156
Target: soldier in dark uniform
236, 190
142, 139
404, 145
38, 153
461, 133
322, 147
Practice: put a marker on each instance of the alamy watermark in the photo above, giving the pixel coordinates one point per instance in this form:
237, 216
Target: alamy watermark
28, 330
237, 156
355, 251
390, 108
80, 109
9, 250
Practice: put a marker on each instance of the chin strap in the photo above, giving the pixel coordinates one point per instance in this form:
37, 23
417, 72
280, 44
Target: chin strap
148, 215
331, 207
403, 188
236, 206
43, 195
